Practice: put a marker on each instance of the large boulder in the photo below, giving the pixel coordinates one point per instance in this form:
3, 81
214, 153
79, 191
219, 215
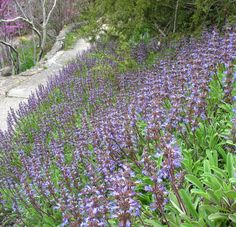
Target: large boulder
59, 43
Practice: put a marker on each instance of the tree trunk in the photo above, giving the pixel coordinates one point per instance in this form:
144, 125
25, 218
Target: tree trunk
15, 61
44, 37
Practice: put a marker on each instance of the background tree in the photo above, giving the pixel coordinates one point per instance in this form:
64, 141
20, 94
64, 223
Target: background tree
45, 18
135, 19
7, 32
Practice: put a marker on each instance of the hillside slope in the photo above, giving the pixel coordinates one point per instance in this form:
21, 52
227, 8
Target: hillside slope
115, 140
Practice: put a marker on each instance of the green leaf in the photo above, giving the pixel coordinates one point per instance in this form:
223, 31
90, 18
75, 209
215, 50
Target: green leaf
221, 151
206, 166
212, 196
201, 193
208, 208
173, 224
219, 172
230, 142
229, 165
219, 193
232, 180
226, 107
188, 203
212, 181
232, 217
152, 223
194, 180
175, 203
187, 225
197, 202
217, 216
213, 140
231, 194
195, 224
233, 206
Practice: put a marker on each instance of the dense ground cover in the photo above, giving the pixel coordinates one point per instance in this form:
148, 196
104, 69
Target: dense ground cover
127, 137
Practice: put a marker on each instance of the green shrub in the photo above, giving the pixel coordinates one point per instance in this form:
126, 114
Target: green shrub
71, 39
26, 55
136, 19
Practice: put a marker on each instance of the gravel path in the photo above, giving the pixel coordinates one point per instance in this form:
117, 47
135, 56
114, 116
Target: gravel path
15, 89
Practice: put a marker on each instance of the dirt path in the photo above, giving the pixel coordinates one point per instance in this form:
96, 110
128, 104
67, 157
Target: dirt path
15, 89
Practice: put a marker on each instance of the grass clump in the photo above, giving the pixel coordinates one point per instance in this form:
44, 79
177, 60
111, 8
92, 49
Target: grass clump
71, 39
26, 55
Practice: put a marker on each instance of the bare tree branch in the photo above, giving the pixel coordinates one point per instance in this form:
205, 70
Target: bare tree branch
158, 28
9, 45
21, 9
42, 30
15, 19
50, 12
43, 11
17, 67
30, 23
25, 20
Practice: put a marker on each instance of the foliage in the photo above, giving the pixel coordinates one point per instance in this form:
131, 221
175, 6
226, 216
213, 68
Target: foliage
138, 19
213, 12
7, 11
44, 18
120, 139
26, 54
71, 38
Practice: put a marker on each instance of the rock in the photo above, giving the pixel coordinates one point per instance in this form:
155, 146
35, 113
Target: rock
59, 43
32, 71
6, 71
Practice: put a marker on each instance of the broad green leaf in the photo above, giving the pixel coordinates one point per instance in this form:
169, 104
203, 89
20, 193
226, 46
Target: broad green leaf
219, 193
213, 140
152, 223
229, 165
232, 180
230, 142
221, 151
231, 194
232, 217
225, 106
217, 216
201, 193
175, 203
197, 165
197, 202
194, 180
226, 186
173, 224
215, 157
174, 219
199, 223
209, 208
206, 166
186, 218
211, 181
233, 206
188, 203
219, 171
202, 222
212, 196
190, 225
